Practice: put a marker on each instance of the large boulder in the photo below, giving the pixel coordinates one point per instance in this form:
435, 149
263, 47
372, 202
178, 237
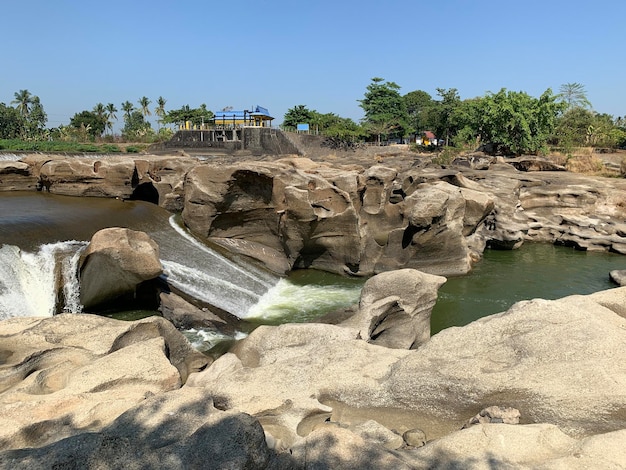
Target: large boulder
115, 263
395, 307
75, 373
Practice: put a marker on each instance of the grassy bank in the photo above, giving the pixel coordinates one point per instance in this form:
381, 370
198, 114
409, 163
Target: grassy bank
15, 145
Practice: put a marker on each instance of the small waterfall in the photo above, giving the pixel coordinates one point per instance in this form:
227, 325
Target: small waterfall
29, 282
71, 286
203, 273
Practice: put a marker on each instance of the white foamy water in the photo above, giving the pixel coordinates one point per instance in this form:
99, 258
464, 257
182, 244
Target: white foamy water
28, 280
288, 301
205, 340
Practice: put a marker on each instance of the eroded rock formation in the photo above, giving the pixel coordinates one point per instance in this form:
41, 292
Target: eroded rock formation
115, 264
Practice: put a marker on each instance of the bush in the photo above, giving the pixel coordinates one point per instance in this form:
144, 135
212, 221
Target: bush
132, 149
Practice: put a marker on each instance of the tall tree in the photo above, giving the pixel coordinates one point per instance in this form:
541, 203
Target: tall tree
574, 95
160, 109
384, 108
444, 112
418, 104
36, 119
128, 108
23, 100
144, 102
110, 116
11, 122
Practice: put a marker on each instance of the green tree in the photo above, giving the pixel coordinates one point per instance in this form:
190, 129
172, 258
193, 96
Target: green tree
89, 123
128, 108
23, 100
144, 102
159, 111
515, 122
299, 114
418, 105
110, 116
36, 120
574, 95
385, 110
135, 126
197, 116
442, 115
11, 122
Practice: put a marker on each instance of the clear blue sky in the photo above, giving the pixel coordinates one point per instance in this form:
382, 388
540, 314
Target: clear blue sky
277, 54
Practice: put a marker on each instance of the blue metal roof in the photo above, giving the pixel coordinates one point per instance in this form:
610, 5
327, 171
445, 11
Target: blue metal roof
257, 111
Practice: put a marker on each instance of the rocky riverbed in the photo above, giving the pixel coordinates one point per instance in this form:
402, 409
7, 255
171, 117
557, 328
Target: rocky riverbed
541, 385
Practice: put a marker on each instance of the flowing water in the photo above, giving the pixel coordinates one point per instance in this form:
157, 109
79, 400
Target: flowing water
41, 236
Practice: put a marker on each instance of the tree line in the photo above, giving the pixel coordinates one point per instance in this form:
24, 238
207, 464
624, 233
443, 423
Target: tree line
509, 122
26, 120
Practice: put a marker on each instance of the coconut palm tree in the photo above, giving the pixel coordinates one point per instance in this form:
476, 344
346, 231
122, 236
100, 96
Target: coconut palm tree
23, 100
110, 115
143, 103
128, 108
160, 109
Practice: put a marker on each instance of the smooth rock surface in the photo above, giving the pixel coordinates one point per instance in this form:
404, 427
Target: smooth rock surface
115, 263
74, 373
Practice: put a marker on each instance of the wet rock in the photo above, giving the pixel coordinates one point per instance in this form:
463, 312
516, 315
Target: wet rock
114, 264
618, 276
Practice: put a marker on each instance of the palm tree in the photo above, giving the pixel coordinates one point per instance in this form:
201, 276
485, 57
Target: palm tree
143, 103
23, 100
574, 95
99, 110
128, 108
160, 109
110, 116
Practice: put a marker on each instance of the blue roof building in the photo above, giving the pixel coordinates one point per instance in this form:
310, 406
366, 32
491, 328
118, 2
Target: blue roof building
257, 117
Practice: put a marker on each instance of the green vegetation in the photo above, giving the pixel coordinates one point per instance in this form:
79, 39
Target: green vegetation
19, 145
505, 122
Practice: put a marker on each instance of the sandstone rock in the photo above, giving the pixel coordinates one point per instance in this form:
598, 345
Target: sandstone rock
16, 176
186, 316
374, 432
618, 276
179, 429
114, 263
335, 447
544, 358
395, 308
495, 414
71, 373
414, 438
536, 446
283, 374
88, 176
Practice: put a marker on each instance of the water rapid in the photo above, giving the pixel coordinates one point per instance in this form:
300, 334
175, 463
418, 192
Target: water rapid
33, 284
